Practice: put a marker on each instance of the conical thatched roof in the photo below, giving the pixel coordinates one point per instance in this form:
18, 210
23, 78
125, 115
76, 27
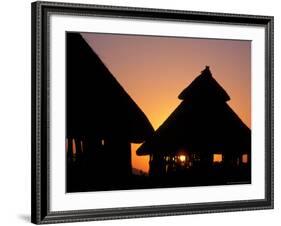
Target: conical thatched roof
203, 121
204, 86
96, 103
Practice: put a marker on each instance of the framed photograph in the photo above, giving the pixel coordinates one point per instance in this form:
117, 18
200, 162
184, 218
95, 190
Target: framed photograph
142, 112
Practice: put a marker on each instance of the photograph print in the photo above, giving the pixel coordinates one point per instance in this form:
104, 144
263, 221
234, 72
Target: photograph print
147, 112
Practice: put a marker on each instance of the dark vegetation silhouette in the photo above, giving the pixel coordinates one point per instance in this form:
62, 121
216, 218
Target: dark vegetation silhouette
203, 142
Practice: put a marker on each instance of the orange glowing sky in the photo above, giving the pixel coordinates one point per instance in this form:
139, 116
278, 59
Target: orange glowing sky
154, 70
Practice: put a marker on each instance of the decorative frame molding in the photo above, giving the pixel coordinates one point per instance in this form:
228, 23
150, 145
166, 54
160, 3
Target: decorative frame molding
40, 212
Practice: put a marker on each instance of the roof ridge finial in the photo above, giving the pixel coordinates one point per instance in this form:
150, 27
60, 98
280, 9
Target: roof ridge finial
207, 71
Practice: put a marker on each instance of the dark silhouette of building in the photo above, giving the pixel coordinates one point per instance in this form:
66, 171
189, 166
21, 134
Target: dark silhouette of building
202, 138
102, 120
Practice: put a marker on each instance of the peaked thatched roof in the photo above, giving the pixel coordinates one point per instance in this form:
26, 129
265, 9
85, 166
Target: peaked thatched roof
96, 103
204, 86
202, 121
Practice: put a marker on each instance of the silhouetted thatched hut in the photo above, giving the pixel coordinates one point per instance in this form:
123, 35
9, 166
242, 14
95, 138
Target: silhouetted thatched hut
203, 132
101, 117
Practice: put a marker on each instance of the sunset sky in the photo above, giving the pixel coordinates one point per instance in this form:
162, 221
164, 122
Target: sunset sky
154, 70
